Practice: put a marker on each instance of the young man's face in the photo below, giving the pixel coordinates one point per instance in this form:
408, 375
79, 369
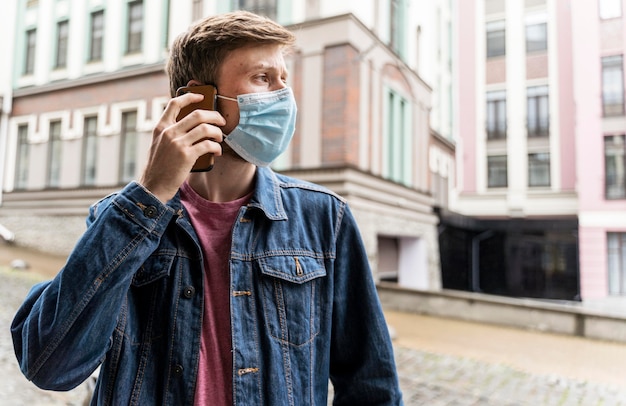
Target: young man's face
251, 69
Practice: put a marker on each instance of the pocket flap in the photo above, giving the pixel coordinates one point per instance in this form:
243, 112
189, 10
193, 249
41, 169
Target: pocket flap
156, 266
295, 269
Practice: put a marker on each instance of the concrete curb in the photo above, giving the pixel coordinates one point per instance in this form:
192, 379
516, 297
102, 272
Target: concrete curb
529, 314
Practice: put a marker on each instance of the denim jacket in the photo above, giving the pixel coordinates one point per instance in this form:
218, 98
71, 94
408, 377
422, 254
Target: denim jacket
303, 304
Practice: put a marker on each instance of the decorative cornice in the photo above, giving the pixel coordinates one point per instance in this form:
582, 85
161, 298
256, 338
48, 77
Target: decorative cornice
98, 78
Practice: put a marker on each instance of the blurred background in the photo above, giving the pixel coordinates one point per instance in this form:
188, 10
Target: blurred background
480, 143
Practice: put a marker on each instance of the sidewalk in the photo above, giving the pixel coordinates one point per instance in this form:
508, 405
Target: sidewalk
568, 357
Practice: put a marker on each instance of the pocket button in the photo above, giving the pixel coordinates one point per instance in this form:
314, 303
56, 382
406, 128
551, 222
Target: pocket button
189, 291
150, 212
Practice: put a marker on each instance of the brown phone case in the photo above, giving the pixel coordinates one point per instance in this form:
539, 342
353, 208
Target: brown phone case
205, 162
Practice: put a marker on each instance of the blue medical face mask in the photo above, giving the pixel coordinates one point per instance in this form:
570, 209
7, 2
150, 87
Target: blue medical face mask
267, 122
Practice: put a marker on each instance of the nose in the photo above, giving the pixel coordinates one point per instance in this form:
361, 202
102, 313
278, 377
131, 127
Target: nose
279, 84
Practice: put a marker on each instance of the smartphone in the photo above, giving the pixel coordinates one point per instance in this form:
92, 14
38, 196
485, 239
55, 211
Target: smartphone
206, 161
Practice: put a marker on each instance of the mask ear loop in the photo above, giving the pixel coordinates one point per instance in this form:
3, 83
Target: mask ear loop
219, 96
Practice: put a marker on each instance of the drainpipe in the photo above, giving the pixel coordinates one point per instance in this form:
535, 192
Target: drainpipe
476, 258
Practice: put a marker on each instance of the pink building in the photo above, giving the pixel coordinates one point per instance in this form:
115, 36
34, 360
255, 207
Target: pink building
541, 187
517, 191
599, 34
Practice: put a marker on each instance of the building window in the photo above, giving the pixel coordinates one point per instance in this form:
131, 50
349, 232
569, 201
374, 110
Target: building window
128, 145
496, 44
538, 119
615, 167
55, 148
63, 28
96, 36
23, 151
397, 27
539, 169
496, 115
398, 140
616, 258
29, 60
90, 151
536, 37
135, 26
266, 8
197, 11
610, 9
497, 173
613, 86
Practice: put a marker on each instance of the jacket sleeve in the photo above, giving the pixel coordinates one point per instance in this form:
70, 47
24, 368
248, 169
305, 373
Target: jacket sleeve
362, 366
62, 330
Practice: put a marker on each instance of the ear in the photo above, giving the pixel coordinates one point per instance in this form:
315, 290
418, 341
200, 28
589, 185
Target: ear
193, 82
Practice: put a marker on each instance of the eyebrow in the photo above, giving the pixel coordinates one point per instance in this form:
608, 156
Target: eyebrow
266, 66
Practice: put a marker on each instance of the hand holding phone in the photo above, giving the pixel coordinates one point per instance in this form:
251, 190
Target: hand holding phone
205, 162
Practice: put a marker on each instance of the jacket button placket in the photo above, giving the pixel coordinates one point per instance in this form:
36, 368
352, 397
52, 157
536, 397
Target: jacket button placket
245, 345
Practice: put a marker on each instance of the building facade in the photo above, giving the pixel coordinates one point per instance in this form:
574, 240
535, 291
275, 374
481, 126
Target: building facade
598, 61
88, 86
516, 182
540, 182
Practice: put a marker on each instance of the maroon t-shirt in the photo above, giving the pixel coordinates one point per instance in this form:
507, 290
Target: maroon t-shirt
213, 223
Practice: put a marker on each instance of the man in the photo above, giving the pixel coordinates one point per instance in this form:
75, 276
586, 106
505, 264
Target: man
232, 286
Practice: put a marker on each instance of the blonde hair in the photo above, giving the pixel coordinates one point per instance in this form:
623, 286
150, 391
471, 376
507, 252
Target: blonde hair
198, 52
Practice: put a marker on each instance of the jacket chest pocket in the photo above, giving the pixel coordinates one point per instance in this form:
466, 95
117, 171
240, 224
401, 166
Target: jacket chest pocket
148, 307
290, 290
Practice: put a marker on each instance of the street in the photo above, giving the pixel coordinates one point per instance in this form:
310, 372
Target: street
440, 362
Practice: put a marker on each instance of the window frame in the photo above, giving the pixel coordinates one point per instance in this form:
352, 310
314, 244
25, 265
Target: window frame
496, 126
134, 36
398, 142
62, 44
616, 263
398, 27
129, 140
540, 45
535, 163
96, 36
613, 65
89, 151
495, 34
607, 9
22, 158
30, 49
538, 111
615, 178
54, 164
495, 162
259, 7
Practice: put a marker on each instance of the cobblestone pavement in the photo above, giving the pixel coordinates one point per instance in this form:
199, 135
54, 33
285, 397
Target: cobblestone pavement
438, 380
426, 378
15, 390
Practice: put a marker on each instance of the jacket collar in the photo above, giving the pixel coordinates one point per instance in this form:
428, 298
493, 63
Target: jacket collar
267, 194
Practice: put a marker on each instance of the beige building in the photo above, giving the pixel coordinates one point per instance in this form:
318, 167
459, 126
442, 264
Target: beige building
88, 86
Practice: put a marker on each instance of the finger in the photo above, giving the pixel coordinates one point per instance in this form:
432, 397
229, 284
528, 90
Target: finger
206, 146
204, 131
176, 104
200, 116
